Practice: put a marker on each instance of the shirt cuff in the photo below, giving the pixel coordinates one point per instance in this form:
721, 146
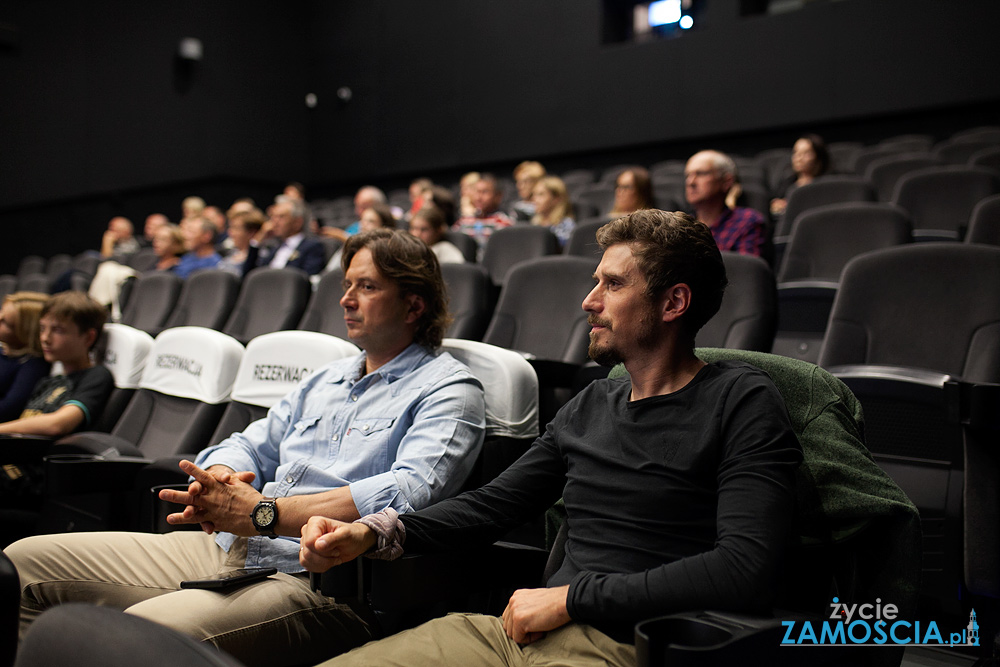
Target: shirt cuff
390, 532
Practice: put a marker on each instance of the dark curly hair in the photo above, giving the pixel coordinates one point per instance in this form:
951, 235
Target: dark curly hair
409, 263
671, 248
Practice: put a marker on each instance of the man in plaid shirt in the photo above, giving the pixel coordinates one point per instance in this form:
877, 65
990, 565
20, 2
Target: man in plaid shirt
708, 177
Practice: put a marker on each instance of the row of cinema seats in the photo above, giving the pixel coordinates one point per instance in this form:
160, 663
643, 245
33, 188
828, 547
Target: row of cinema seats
923, 361
762, 176
855, 535
192, 387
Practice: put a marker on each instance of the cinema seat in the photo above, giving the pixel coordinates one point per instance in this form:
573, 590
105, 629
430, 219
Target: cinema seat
180, 399
272, 366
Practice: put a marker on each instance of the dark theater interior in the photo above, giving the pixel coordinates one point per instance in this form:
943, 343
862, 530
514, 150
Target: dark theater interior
200, 174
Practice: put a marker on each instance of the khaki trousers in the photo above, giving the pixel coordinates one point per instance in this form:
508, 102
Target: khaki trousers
472, 639
278, 621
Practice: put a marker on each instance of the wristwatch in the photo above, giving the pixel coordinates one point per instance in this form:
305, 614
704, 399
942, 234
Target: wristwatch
265, 517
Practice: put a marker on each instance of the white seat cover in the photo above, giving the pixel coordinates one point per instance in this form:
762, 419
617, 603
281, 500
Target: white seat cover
275, 363
193, 362
509, 382
126, 354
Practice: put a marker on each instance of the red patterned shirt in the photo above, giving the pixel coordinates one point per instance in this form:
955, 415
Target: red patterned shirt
740, 230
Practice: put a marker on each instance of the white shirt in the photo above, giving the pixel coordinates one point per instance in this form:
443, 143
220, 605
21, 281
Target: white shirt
285, 251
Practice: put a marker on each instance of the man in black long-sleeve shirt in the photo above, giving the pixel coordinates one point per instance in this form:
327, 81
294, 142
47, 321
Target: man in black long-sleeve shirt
678, 481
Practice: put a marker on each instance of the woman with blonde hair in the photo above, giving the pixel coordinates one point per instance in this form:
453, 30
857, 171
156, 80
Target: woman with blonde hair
552, 207
21, 361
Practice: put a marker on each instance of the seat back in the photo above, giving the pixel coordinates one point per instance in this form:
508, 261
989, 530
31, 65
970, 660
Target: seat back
909, 142
468, 300
984, 225
958, 151
206, 300
598, 196
324, 312
58, 265
824, 190
31, 264
512, 245
940, 199
583, 239
181, 396
8, 285
270, 300
913, 306
144, 260
125, 353
465, 243
151, 301
539, 309
748, 315
886, 171
986, 157
93, 636
272, 366
827, 237
511, 396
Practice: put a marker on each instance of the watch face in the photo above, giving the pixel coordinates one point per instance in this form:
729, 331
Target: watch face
264, 515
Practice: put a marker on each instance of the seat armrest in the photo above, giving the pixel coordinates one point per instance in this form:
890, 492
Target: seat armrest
21, 448
69, 474
409, 582
974, 404
97, 443
713, 638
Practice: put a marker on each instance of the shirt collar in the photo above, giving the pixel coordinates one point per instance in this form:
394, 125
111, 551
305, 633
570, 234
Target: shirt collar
400, 366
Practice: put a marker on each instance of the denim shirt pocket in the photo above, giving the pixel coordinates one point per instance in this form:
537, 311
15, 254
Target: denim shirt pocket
368, 438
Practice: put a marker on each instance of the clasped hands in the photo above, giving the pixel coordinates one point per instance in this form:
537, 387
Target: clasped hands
530, 612
219, 499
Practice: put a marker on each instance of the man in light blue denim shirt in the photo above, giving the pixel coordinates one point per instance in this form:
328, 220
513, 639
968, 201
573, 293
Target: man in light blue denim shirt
399, 426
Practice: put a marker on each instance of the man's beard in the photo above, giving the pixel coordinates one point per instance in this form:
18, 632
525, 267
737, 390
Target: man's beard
608, 355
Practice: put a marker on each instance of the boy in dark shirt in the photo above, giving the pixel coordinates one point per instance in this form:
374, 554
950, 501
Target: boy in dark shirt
70, 325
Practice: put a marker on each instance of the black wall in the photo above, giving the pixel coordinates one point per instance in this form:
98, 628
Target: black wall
485, 82
95, 117
95, 120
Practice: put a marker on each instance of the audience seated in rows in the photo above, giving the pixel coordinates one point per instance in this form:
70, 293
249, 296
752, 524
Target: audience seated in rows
405, 422
526, 176
118, 241
22, 363
153, 222
199, 241
428, 225
365, 198
488, 217
69, 327
708, 177
633, 191
810, 160
552, 207
244, 232
289, 246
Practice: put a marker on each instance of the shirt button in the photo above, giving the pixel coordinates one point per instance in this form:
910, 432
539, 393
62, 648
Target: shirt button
354, 397
289, 479
365, 427
336, 438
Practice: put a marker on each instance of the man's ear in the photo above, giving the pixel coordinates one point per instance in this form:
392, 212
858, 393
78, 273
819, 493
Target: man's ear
415, 307
91, 338
675, 302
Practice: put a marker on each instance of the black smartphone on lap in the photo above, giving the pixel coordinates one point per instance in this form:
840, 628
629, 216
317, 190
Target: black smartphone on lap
230, 579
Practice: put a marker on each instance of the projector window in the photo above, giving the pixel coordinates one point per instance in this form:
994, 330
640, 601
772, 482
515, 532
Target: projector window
630, 21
